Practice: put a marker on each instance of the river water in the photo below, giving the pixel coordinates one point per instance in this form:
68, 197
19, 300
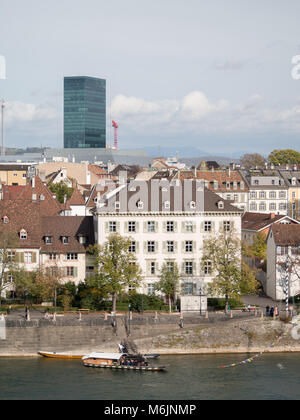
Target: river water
199, 377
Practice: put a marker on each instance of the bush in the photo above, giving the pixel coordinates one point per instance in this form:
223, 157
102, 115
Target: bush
219, 303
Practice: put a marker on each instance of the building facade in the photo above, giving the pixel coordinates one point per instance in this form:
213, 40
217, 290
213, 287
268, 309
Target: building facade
84, 112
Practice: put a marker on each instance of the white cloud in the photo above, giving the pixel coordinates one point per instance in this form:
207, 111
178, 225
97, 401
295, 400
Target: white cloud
19, 112
197, 113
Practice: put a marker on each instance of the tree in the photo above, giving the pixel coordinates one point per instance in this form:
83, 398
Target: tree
116, 268
61, 190
252, 161
231, 278
284, 157
258, 249
169, 281
8, 260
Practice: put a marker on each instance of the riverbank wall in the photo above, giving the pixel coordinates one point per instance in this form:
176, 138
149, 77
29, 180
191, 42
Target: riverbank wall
166, 334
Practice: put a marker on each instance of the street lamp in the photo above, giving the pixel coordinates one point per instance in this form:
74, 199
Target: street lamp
129, 314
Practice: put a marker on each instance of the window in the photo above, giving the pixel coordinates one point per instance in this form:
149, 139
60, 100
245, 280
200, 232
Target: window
207, 226
131, 227
151, 226
262, 206
72, 256
42, 197
117, 205
282, 250
236, 198
207, 268
132, 247
48, 240
253, 195
188, 288
170, 227
11, 256
273, 206
65, 240
253, 207
28, 257
83, 239
70, 271
282, 194
296, 250
188, 246
113, 227
256, 182
282, 206
151, 246
170, 246
152, 268
189, 227
228, 197
189, 268
151, 289
221, 205
227, 226
170, 266
272, 194
53, 257
262, 194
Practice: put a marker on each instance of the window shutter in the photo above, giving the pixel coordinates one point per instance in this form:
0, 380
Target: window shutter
175, 247
202, 227
183, 227
194, 227
156, 268
183, 268
145, 227
164, 245
126, 227
20, 257
175, 227
156, 247
106, 227
137, 226
75, 272
156, 227
137, 247
165, 227
145, 247
194, 246
34, 257
194, 268
213, 226
195, 291
118, 227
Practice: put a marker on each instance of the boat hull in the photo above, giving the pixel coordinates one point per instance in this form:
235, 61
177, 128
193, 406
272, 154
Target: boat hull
52, 355
119, 367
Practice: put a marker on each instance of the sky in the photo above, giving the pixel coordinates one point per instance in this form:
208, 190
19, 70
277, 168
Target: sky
212, 76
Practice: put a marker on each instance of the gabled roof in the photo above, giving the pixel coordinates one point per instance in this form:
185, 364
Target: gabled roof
49, 206
76, 199
11, 192
260, 221
286, 235
70, 226
22, 215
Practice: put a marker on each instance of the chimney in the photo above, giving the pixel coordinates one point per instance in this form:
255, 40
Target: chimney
33, 182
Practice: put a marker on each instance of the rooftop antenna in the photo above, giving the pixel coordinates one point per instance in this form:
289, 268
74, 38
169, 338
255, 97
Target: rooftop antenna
2, 115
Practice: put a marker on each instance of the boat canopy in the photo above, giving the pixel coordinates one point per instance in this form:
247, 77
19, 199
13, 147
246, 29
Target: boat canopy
106, 356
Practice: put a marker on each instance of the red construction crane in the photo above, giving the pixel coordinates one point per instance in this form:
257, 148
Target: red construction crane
115, 125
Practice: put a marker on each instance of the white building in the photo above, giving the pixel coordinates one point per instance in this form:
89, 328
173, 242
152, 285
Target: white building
283, 259
168, 223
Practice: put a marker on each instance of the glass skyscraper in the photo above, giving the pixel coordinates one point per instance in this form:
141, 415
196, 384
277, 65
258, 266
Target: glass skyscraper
84, 112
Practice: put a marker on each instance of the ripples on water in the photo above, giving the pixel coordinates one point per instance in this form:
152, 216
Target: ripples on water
273, 376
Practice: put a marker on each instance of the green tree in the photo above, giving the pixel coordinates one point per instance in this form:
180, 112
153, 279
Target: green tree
258, 249
284, 157
9, 260
116, 268
61, 190
169, 281
231, 278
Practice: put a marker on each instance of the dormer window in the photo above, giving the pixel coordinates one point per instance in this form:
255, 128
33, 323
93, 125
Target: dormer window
23, 234
83, 240
117, 205
5, 220
140, 205
167, 205
192, 205
221, 205
48, 240
42, 197
65, 240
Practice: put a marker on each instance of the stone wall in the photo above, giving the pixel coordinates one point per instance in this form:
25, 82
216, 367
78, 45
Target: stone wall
162, 335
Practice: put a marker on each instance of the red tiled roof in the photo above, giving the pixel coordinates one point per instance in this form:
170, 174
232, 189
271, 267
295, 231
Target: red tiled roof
12, 192
76, 199
286, 235
259, 221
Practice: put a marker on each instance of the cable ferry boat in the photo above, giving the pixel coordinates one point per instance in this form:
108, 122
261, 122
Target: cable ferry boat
120, 361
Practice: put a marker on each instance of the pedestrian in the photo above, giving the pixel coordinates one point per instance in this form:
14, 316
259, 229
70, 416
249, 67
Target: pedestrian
26, 312
276, 311
268, 310
249, 308
271, 312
